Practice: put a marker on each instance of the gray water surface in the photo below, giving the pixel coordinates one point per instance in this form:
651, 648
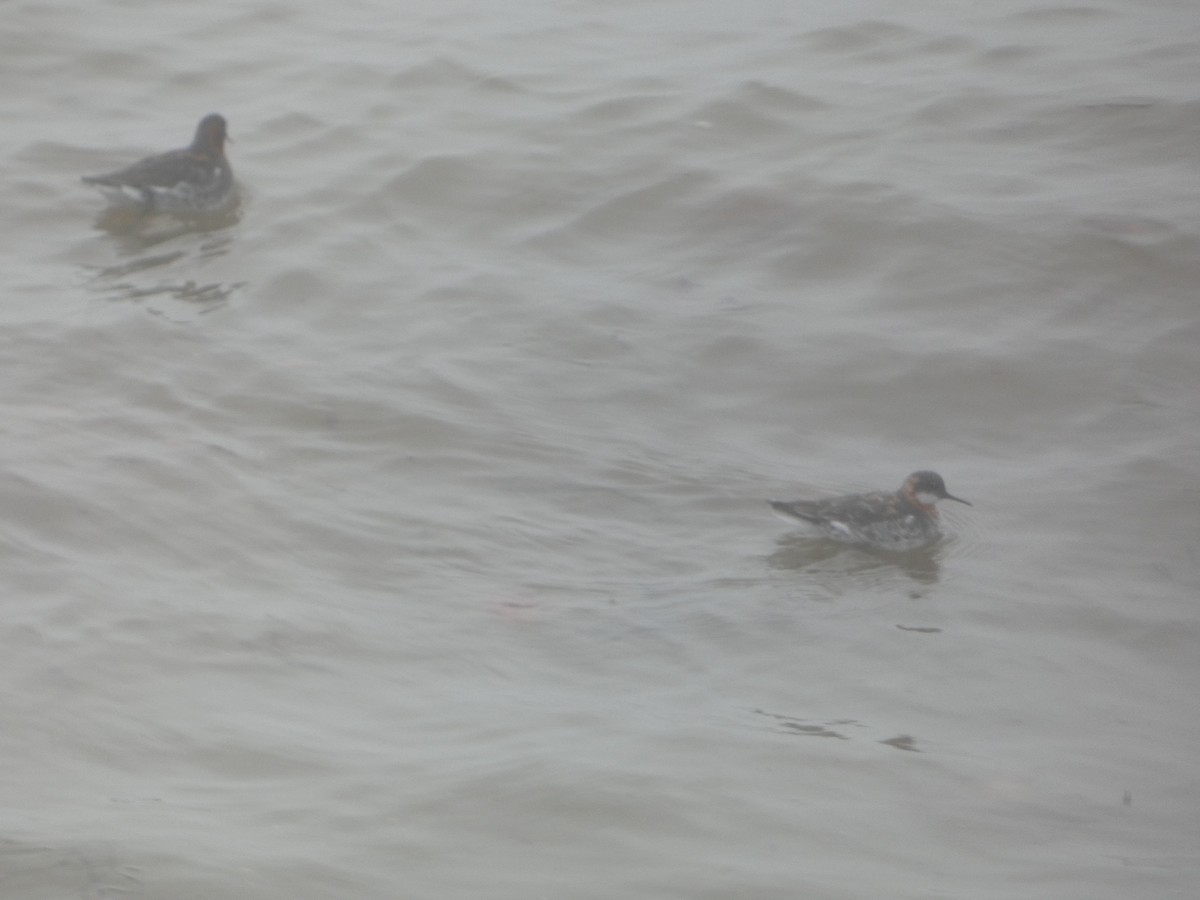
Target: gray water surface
402, 533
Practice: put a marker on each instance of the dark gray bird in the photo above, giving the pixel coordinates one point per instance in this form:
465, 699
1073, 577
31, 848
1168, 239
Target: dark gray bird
193, 179
897, 520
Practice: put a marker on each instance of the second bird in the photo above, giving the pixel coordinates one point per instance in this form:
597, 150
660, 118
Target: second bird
193, 179
886, 520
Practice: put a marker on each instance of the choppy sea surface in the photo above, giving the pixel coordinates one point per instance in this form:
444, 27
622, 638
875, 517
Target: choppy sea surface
401, 533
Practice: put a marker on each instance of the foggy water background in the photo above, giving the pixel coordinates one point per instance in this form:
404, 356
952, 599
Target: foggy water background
403, 534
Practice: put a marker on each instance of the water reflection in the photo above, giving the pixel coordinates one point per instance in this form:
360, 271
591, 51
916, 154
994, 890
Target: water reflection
903, 742
832, 728
810, 727
203, 296
137, 229
860, 565
148, 268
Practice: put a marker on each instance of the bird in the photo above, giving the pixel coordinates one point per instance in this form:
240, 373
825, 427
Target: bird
193, 179
885, 520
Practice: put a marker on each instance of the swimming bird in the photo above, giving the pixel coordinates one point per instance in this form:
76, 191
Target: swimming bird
886, 520
193, 179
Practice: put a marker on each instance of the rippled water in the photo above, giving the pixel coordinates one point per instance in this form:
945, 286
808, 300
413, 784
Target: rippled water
401, 532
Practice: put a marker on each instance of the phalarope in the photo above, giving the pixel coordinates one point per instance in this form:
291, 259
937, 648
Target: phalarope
191, 180
901, 520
